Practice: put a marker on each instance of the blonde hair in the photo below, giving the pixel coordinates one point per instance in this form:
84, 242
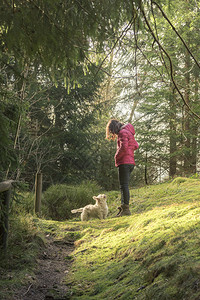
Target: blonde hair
112, 129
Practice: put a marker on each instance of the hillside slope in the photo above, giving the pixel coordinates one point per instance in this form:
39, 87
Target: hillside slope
153, 254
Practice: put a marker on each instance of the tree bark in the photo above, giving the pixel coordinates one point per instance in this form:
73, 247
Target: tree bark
186, 127
172, 137
194, 133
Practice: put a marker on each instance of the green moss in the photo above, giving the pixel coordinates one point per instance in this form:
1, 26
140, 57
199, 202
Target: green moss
146, 255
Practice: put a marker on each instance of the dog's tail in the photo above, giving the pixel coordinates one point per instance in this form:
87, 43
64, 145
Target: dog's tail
74, 211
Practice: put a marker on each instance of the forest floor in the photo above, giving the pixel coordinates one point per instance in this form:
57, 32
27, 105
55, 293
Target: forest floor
52, 268
152, 254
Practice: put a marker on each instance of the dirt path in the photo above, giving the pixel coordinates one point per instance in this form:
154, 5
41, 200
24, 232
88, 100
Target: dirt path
49, 281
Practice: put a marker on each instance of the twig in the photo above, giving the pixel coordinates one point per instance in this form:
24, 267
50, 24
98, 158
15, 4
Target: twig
28, 289
162, 58
118, 39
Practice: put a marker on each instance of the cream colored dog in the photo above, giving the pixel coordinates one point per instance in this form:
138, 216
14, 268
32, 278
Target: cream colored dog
98, 210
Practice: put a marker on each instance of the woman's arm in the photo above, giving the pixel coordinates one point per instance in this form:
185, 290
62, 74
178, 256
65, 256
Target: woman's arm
122, 144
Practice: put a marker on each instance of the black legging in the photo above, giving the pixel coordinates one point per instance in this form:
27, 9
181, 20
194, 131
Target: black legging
124, 177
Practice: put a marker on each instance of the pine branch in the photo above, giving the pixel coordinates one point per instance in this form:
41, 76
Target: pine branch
52, 22
162, 57
116, 42
184, 43
149, 62
170, 62
98, 68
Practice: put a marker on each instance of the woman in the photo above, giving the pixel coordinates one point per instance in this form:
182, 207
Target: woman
124, 158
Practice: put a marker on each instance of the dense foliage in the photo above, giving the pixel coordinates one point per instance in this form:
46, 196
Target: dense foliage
68, 66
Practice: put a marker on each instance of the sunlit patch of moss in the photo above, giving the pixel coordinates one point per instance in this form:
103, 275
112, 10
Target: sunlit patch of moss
147, 255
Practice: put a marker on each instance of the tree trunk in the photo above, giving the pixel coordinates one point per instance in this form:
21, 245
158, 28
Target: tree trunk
145, 170
194, 132
38, 192
172, 137
186, 127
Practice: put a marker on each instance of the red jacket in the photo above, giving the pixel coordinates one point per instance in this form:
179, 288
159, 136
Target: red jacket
126, 145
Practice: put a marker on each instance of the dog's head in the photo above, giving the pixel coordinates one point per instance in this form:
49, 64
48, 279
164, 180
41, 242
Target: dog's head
100, 198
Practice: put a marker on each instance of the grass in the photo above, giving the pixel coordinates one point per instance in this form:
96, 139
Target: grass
17, 265
152, 254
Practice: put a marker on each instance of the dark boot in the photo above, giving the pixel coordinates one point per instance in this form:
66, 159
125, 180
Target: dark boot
125, 210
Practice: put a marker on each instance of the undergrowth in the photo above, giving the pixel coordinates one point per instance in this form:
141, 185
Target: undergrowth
18, 263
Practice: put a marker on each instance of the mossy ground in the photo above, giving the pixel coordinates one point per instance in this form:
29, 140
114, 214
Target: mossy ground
152, 254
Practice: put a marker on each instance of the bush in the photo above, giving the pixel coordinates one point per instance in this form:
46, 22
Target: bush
23, 203
58, 200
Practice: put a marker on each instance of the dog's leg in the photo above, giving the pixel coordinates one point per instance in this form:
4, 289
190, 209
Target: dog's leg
100, 215
84, 215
